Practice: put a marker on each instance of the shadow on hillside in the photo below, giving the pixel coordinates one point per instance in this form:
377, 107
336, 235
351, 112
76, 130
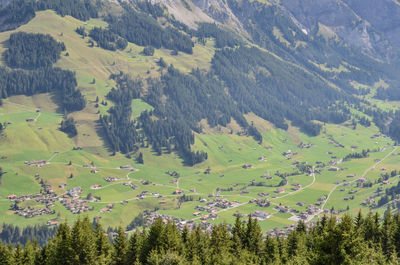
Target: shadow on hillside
103, 136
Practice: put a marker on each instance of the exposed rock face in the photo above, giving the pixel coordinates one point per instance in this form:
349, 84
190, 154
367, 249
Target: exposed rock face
370, 25
367, 24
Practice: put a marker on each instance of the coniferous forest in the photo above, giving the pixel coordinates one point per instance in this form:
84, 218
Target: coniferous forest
366, 239
36, 54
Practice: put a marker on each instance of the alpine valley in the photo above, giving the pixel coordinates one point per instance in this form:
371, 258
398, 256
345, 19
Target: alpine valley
197, 112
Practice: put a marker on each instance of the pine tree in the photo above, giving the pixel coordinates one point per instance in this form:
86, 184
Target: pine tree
83, 242
135, 246
63, 252
119, 248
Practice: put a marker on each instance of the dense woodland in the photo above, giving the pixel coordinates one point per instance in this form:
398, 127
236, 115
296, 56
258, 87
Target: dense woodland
20, 12
144, 30
68, 126
38, 52
223, 38
14, 235
106, 39
360, 240
119, 129
257, 82
28, 51
54, 80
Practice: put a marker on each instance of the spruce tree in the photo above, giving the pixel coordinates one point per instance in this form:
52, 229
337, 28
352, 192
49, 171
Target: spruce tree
119, 248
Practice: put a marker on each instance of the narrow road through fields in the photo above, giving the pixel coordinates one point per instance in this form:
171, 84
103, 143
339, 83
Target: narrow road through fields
363, 175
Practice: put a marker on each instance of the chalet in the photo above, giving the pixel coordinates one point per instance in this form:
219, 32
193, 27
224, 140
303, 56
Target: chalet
62, 185
213, 216
351, 175
127, 167
334, 169
95, 187
385, 182
262, 158
163, 202
37, 163
261, 215
12, 197
280, 190
197, 213
94, 171
300, 204
30, 120
177, 192
52, 223
204, 217
105, 210
247, 166
361, 180
289, 152
74, 192
266, 176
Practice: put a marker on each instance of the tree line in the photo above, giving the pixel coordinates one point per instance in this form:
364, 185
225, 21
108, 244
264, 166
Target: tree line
20, 12
366, 239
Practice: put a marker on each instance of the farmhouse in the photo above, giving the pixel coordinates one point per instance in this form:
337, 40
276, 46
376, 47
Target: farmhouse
12, 197
361, 180
266, 176
280, 190
127, 167
74, 192
261, 215
247, 166
95, 187
37, 163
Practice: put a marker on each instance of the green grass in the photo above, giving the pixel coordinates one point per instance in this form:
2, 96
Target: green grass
25, 141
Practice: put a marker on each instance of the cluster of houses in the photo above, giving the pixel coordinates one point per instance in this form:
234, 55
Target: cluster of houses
180, 223
73, 203
46, 197
289, 154
261, 202
131, 185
